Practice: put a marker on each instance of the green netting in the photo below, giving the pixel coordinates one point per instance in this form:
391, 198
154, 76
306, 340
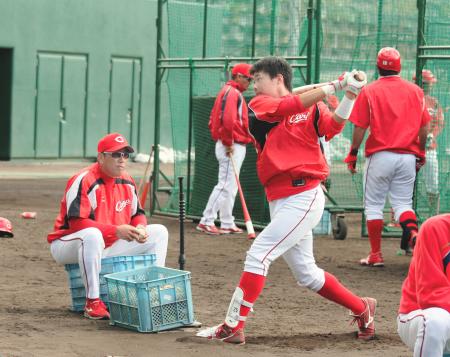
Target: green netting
351, 33
432, 200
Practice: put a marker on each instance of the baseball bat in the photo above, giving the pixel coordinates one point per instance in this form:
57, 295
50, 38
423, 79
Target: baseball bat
360, 76
248, 221
308, 87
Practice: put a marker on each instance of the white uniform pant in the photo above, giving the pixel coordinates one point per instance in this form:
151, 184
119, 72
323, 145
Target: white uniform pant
224, 193
431, 172
87, 248
388, 173
426, 332
289, 234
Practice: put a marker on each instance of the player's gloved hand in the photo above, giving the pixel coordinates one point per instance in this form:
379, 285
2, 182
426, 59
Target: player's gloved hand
420, 161
229, 150
356, 81
351, 159
341, 82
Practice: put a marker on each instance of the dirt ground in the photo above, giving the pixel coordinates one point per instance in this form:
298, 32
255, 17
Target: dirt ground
288, 320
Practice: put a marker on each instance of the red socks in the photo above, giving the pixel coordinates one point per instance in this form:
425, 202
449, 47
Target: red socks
375, 228
252, 285
334, 291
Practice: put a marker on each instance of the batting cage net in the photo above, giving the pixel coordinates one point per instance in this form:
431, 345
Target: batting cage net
202, 39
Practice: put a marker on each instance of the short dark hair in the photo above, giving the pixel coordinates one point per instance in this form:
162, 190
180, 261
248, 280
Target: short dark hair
387, 72
274, 66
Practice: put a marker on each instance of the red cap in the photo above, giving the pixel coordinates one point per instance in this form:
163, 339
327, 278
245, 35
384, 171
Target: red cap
389, 59
113, 142
427, 76
242, 68
5, 228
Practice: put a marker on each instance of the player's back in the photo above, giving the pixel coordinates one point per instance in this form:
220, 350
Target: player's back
395, 111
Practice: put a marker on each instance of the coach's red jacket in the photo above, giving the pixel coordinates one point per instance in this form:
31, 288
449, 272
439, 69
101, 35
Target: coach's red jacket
228, 121
286, 136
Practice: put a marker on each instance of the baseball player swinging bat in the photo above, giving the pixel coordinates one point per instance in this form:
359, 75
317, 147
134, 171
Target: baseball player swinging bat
248, 222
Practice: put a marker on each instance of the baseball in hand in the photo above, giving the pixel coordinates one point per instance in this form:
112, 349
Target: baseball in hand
360, 76
142, 233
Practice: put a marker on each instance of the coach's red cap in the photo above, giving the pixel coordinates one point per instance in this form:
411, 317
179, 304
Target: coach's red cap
242, 68
427, 76
113, 142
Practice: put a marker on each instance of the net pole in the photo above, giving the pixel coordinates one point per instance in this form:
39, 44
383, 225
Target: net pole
205, 26
318, 47
309, 42
254, 29
379, 28
157, 128
421, 5
272, 27
188, 183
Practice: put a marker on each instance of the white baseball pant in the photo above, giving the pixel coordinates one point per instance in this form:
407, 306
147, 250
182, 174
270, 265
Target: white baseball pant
224, 193
388, 173
289, 234
87, 248
431, 172
426, 332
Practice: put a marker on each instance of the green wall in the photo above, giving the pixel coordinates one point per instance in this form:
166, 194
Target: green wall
80, 69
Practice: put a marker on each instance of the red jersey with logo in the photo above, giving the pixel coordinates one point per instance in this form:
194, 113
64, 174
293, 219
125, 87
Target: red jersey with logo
286, 137
437, 119
228, 121
93, 199
394, 109
428, 281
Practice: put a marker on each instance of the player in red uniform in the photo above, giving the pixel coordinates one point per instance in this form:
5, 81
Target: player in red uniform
100, 217
286, 130
431, 167
228, 124
424, 315
394, 110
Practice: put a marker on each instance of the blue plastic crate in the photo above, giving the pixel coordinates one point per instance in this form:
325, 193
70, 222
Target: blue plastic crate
150, 299
109, 265
324, 226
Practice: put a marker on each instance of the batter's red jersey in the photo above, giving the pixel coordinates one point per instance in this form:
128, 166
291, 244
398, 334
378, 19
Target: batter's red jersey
228, 121
286, 137
394, 110
428, 281
106, 202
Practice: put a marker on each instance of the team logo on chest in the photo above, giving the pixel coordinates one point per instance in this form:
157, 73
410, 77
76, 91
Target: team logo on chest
120, 205
297, 118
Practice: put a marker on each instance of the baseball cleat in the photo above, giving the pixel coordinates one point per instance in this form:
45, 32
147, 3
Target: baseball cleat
373, 260
365, 320
232, 230
223, 333
208, 229
95, 309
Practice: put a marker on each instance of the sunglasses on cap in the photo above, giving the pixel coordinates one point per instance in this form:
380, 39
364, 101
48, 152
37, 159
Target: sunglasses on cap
249, 79
118, 154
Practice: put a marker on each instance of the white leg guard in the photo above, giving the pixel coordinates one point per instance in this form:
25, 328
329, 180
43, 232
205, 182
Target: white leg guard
233, 315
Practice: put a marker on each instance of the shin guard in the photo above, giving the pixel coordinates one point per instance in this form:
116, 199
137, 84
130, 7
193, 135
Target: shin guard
233, 315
